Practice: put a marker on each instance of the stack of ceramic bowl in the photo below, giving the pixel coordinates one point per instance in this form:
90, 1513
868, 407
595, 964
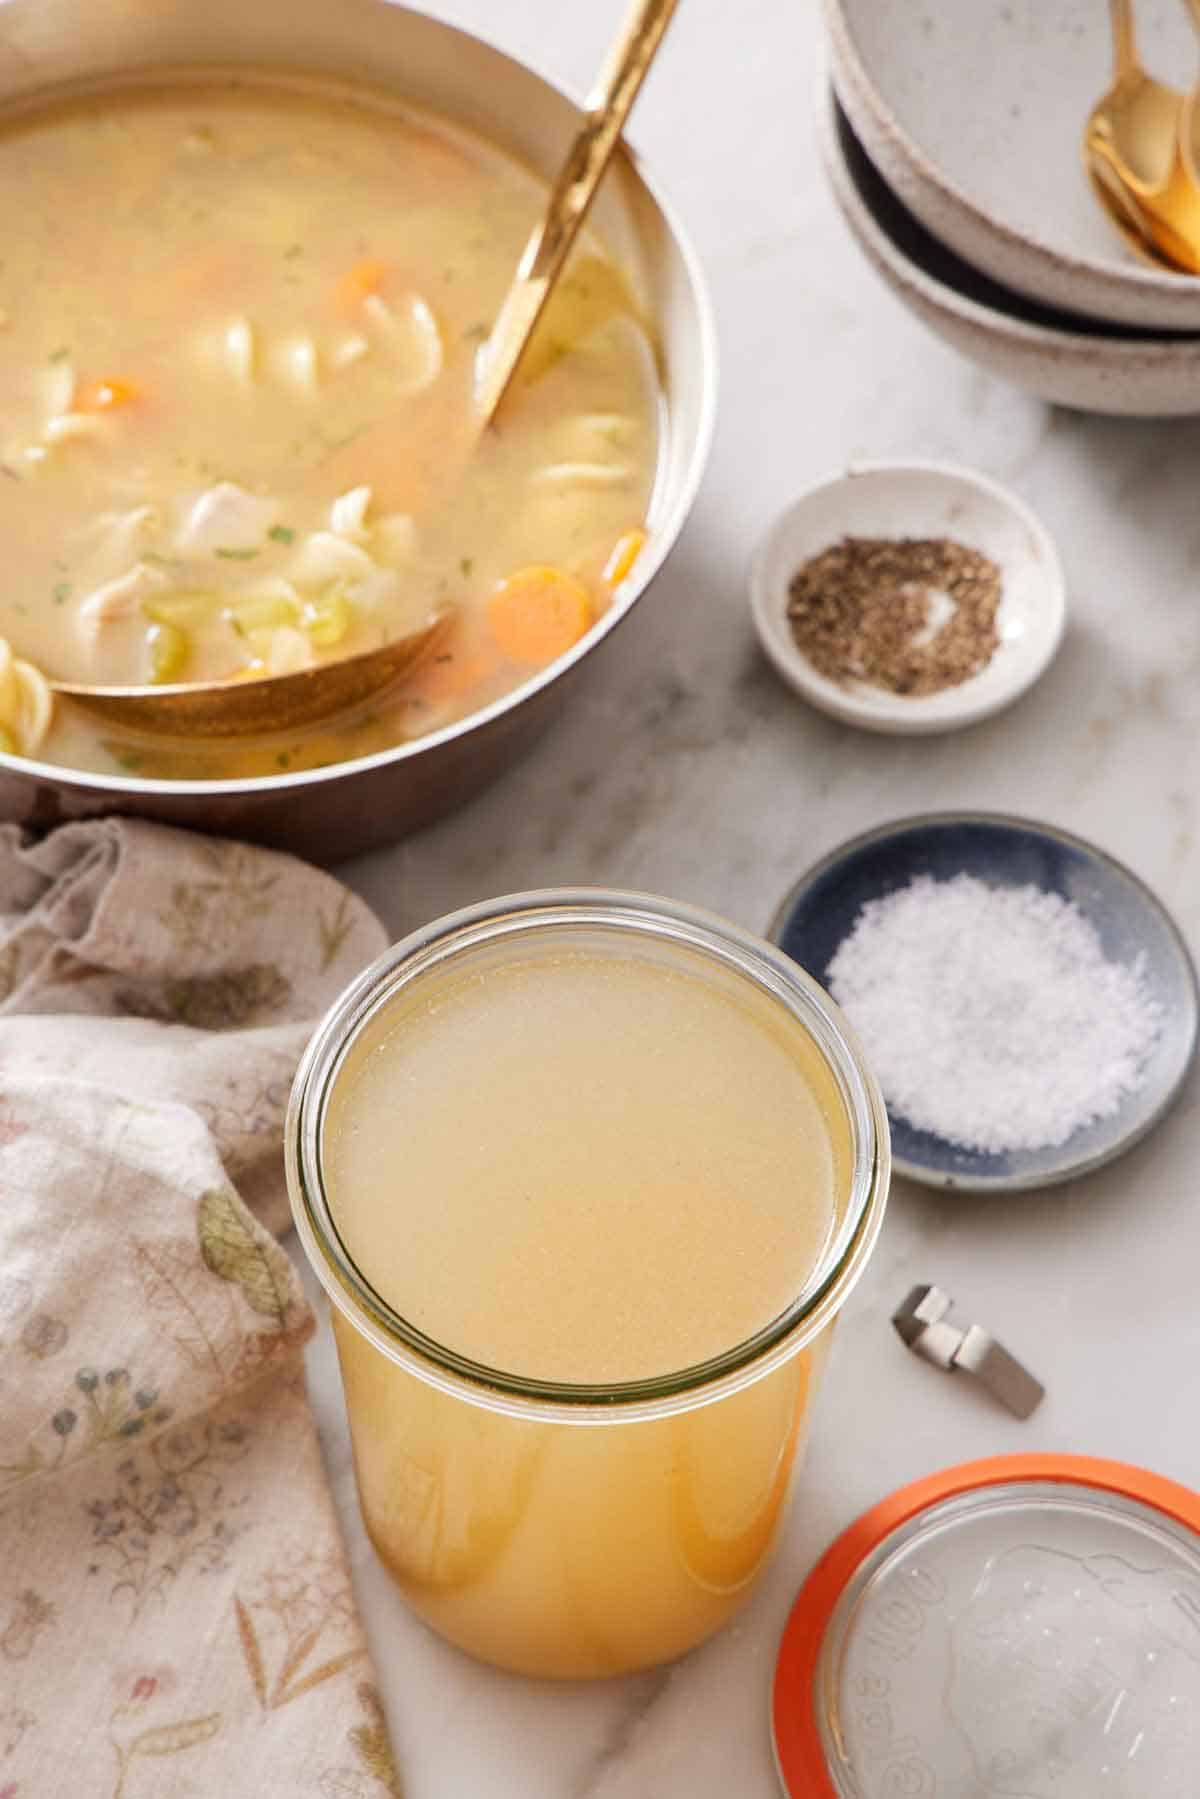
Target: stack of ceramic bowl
952, 136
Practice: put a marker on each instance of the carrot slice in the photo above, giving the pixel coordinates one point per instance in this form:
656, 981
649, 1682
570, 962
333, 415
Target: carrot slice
538, 613
625, 553
366, 277
102, 396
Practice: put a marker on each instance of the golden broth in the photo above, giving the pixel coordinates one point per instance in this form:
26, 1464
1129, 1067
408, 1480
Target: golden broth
238, 326
590, 1167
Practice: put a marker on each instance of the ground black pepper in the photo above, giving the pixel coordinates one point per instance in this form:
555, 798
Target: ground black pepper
912, 614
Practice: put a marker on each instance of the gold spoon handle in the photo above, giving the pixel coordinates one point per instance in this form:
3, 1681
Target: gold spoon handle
1189, 118
608, 106
1125, 59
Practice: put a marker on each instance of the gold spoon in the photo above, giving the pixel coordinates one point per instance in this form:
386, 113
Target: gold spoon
259, 706
1124, 214
1132, 144
606, 110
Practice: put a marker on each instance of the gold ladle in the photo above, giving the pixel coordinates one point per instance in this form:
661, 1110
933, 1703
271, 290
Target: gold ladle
1134, 157
242, 707
258, 706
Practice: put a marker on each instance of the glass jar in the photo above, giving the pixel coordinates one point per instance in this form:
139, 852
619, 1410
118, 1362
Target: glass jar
562, 1529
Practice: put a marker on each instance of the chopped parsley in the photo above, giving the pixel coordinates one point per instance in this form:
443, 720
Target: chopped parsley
61, 354
62, 592
236, 555
292, 251
283, 759
282, 534
467, 565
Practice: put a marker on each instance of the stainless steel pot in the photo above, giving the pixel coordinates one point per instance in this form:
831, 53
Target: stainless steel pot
339, 811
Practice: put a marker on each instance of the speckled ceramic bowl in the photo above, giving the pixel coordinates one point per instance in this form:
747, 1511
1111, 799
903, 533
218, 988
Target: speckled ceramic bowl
1064, 358
974, 111
820, 911
916, 499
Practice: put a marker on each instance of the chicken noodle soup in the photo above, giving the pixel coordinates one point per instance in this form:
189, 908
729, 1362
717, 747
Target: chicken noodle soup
597, 1153
238, 330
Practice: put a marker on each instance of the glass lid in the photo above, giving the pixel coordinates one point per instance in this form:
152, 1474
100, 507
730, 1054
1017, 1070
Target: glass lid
1025, 1628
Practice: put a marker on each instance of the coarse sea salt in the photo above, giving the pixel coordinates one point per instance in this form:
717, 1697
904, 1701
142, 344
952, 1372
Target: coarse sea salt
991, 1015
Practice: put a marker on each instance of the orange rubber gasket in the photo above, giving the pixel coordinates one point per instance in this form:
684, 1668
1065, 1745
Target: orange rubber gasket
802, 1765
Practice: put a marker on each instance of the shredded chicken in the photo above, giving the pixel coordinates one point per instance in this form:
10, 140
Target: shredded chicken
119, 599
226, 517
324, 557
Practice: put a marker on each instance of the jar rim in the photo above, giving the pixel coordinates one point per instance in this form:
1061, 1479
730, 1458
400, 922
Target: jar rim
432, 947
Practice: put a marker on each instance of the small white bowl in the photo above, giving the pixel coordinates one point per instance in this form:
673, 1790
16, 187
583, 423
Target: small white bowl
916, 499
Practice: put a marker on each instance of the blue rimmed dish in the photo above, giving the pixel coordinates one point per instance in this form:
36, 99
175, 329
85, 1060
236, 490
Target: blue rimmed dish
821, 909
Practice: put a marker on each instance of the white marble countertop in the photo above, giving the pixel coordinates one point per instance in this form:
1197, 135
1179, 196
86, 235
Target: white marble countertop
688, 769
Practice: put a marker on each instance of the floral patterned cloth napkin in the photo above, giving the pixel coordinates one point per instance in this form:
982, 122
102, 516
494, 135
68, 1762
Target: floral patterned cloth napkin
176, 1615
